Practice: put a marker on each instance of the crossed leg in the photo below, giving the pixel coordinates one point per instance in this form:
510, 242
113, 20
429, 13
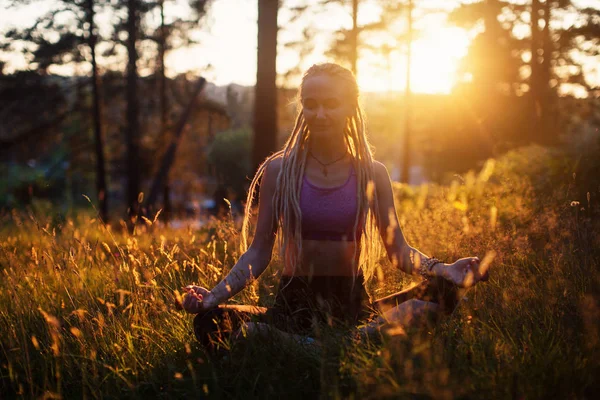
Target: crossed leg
395, 321
416, 306
239, 321
412, 307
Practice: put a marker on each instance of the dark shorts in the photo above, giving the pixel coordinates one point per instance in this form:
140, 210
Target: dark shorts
303, 304
332, 300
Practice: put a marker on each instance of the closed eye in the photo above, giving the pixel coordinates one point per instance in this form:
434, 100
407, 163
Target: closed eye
331, 103
310, 104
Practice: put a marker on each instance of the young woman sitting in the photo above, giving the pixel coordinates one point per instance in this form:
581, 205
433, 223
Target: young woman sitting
328, 201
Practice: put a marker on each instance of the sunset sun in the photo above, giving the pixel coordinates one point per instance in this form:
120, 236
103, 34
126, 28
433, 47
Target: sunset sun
435, 60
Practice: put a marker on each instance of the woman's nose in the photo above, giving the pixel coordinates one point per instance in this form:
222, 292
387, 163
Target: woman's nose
320, 112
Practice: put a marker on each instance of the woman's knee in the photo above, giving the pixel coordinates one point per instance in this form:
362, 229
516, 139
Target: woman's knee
422, 308
410, 311
251, 329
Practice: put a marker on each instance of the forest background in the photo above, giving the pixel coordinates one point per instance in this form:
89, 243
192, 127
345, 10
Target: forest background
144, 115
102, 126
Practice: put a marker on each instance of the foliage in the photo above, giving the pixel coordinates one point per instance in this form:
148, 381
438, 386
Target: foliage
90, 310
229, 155
33, 107
19, 185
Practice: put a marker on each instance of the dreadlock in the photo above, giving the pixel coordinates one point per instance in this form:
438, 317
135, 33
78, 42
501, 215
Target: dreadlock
286, 202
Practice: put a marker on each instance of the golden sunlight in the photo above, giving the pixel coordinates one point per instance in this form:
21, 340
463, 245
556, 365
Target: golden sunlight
435, 60
436, 53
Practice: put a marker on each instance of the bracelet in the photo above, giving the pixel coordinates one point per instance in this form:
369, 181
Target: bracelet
427, 266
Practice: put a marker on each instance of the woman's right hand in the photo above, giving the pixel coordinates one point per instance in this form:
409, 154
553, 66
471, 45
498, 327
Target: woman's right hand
465, 272
194, 299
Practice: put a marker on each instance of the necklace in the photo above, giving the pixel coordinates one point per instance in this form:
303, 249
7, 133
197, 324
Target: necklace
325, 165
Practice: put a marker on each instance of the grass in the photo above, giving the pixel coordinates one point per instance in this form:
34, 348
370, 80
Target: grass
89, 311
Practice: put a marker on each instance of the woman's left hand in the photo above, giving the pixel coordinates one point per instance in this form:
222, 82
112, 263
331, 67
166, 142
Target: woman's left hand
465, 272
193, 300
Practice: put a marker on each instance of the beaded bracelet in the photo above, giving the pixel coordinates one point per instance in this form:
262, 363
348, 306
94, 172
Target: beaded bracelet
427, 266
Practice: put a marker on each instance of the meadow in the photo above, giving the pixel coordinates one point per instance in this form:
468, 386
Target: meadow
90, 310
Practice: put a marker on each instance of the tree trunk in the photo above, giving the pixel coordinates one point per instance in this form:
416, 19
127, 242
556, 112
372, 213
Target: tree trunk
493, 73
354, 38
535, 82
96, 118
535, 45
169, 157
405, 173
265, 101
133, 124
547, 46
545, 75
164, 107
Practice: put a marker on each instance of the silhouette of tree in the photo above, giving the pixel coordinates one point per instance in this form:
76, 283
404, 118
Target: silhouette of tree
346, 44
584, 36
265, 103
406, 148
491, 65
535, 65
179, 27
132, 131
81, 30
101, 186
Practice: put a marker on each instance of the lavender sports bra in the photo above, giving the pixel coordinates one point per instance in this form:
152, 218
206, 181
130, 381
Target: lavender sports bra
329, 213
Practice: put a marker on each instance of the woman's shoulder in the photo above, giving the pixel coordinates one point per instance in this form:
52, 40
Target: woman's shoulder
272, 167
380, 171
274, 164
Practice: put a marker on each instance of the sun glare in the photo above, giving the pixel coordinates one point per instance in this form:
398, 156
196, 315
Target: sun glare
224, 56
435, 59
436, 53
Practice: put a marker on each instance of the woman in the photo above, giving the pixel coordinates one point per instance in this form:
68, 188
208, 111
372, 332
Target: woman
330, 201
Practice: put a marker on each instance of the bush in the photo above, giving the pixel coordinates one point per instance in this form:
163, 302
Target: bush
229, 158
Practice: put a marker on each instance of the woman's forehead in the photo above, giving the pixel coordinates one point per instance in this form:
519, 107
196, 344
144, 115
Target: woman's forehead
322, 86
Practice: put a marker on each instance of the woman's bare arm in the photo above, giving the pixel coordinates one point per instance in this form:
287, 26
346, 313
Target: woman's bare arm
256, 259
464, 272
400, 253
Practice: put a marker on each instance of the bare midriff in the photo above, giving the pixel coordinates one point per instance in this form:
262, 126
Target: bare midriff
325, 258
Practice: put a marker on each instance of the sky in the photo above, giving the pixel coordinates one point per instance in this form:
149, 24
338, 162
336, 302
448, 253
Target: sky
233, 54
228, 45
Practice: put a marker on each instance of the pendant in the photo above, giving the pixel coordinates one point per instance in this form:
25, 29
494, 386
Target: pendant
324, 169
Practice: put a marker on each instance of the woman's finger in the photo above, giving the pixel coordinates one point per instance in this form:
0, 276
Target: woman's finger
484, 266
190, 303
189, 298
201, 291
485, 277
186, 301
192, 294
469, 279
188, 288
480, 268
474, 266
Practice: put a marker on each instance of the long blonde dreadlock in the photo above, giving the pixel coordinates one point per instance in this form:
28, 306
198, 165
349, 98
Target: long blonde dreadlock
286, 202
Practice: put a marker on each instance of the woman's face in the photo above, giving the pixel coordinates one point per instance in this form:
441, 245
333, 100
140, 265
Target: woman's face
325, 105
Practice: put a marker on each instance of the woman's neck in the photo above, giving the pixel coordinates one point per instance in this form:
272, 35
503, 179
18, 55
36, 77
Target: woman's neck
327, 150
